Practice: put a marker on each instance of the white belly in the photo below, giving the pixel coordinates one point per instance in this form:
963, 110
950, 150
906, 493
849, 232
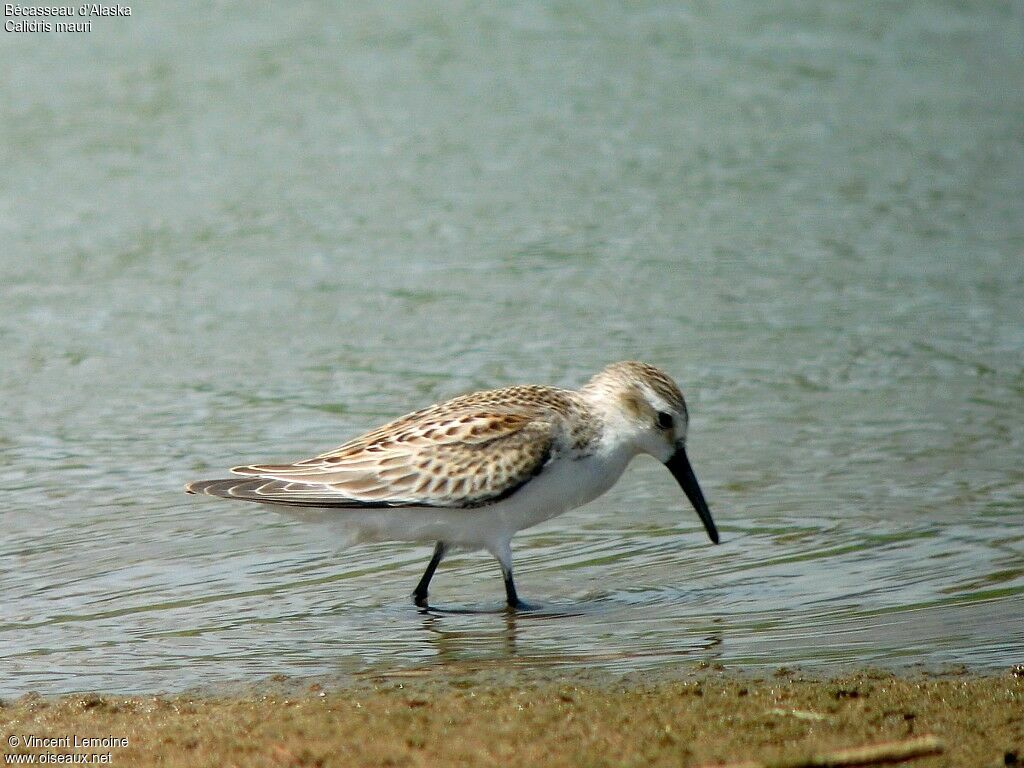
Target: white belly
564, 485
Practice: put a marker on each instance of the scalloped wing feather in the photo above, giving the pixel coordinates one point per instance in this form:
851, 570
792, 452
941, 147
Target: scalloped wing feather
459, 458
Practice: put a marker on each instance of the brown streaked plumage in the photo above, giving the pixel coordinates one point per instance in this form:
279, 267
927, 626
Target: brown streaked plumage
476, 469
470, 451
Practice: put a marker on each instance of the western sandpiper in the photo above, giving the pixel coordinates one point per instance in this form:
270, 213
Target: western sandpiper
473, 471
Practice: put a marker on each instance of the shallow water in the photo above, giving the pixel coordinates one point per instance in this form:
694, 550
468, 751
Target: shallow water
237, 235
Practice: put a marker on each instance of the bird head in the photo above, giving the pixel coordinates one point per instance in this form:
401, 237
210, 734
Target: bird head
643, 408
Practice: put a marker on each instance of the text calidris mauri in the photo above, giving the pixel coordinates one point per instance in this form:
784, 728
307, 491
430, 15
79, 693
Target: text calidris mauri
473, 471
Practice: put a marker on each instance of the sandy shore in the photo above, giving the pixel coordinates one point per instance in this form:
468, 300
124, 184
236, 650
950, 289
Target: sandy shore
707, 717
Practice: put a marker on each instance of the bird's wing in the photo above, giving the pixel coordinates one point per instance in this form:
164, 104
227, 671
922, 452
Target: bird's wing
428, 459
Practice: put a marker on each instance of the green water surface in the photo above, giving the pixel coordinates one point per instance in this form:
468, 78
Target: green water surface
234, 232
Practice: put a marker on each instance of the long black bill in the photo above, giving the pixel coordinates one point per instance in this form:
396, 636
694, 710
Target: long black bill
681, 470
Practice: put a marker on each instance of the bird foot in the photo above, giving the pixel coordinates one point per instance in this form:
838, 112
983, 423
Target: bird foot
521, 606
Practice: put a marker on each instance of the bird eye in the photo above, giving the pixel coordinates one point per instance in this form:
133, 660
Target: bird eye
665, 420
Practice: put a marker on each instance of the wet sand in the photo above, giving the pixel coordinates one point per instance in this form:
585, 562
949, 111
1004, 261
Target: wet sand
705, 717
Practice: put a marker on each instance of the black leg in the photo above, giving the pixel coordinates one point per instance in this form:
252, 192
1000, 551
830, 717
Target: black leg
510, 591
419, 595
503, 554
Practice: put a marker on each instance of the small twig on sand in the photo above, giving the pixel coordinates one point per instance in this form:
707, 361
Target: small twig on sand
799, 714
873, 754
